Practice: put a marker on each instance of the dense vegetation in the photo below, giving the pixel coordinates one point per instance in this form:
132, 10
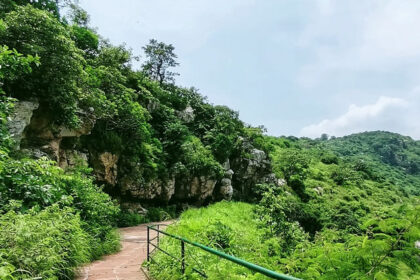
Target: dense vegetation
344, 207
53, 220
343, 211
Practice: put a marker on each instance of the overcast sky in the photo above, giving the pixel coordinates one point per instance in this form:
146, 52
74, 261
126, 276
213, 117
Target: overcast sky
297, 67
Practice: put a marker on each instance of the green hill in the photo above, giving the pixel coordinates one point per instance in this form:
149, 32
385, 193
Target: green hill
88, 143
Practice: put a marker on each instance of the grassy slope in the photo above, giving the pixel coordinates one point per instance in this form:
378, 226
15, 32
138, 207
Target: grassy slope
354, 206
227, 226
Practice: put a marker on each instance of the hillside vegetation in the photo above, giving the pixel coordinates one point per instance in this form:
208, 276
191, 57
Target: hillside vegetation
343, 211
88, 143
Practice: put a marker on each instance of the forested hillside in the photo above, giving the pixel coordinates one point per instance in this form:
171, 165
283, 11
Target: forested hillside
341, 210
89, 143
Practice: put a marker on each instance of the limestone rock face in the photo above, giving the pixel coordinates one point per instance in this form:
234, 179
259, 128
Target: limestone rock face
202, 187
250, 171
155, 189
20, 119
195, 189
44, 137
71, 158
105, 167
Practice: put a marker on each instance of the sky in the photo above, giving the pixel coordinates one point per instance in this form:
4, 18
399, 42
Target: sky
298, 67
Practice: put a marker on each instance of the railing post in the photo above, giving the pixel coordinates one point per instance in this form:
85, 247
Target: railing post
158, 235
182, 257
148, 241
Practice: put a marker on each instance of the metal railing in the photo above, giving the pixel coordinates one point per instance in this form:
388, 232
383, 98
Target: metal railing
157, 228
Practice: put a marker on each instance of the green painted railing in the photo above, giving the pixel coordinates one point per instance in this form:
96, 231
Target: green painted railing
269, 273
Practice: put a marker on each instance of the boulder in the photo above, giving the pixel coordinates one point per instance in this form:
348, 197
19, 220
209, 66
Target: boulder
20, 119
226, 189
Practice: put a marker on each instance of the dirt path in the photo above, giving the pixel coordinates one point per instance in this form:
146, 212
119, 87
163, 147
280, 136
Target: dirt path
124, 265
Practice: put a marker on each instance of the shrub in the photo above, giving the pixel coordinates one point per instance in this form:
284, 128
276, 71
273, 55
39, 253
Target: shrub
40, 184
47, 244
128, 219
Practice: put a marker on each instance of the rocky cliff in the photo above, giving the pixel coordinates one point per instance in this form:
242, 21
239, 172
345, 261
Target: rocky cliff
36, 135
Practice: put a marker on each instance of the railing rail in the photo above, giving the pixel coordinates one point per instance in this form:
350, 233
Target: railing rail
256, 268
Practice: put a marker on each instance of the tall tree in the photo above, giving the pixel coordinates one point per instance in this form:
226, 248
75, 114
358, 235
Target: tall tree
160, 57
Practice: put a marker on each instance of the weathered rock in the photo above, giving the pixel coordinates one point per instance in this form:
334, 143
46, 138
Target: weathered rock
72, 158
271, 179
229, 173
197, 189
84, 129
105, 167
134, 207
250, 171
42, 134
20, 119
202, 187
187, 115
281, 182
257, 155
155, 189
226, 189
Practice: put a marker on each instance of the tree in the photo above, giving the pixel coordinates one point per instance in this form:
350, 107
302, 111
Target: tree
160, 57
52, 6
60, 77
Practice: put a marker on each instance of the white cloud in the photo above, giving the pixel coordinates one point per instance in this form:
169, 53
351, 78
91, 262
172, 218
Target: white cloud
188, 23
370, 36
387, 113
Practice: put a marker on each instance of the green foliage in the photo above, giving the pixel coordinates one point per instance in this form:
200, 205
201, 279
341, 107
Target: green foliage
12, 66
48, 243
338, 215
226, 226
36, 190
59, 79
160, 57
196, 159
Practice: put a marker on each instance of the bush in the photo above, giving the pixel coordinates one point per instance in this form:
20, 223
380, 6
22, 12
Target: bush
129, 219
38, 184
219, 235
47, 244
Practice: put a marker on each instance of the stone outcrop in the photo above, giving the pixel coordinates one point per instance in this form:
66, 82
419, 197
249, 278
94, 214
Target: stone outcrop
224, 187
196, 189
33, 128
20, 119
153, 190
71, 158
105, 167
250, 171
42, 136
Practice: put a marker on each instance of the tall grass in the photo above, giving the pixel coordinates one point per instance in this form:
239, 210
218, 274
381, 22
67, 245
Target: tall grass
230, 227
